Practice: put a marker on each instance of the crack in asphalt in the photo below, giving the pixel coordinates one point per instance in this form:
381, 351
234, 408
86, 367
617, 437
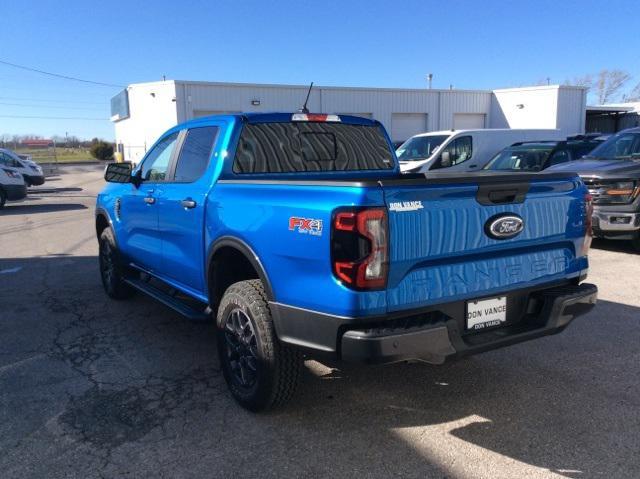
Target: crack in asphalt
110, 413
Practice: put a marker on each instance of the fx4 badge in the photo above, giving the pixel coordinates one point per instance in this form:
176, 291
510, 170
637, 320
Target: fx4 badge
306, 225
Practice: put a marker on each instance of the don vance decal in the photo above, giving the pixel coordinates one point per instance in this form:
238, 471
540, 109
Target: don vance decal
310, 226
406, 206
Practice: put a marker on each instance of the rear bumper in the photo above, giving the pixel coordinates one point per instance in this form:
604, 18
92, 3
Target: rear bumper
15, 192
433, 336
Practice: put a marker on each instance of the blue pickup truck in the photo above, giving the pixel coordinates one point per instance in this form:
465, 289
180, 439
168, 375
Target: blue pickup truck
298, 234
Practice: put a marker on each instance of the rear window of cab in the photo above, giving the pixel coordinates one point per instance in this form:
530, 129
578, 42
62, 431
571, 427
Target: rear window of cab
290, 147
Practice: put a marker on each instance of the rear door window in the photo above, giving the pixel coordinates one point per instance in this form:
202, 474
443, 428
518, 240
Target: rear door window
195, 154
311, 147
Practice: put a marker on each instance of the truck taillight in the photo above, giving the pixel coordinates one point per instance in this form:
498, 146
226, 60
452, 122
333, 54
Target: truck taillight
588, 234
360, 247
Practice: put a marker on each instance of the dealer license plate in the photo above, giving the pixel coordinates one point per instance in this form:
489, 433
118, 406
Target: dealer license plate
486, 313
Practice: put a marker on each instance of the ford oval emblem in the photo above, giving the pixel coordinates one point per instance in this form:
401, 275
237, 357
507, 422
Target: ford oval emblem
504, 226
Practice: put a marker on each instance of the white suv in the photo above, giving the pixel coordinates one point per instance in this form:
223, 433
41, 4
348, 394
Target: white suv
12, 185
30, 170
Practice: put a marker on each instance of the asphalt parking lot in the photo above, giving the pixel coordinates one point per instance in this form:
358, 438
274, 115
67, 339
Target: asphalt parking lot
90, 387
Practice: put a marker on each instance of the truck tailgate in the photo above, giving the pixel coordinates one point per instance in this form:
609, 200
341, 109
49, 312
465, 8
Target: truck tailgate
440, 250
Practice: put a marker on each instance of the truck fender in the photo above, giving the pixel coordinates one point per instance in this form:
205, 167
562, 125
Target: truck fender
246, 250
102, 221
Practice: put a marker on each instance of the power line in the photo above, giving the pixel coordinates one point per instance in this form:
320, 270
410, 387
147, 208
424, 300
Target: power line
57, 75
22, 105
53, 117
4, 86
44, 100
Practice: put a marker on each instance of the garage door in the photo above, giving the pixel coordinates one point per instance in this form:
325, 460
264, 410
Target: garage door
468, 121
405, 125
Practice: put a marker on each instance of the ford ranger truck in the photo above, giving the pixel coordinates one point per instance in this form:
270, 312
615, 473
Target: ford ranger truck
299, 235
612, 174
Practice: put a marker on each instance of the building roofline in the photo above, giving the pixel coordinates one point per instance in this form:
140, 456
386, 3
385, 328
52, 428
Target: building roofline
542, 87
306, 87
610, 108
151, 83
355, 88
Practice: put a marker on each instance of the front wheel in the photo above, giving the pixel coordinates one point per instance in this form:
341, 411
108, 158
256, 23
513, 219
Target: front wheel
261, 372
111, 267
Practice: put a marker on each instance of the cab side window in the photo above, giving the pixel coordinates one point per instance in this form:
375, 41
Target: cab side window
459, 151
156, 164
195, 154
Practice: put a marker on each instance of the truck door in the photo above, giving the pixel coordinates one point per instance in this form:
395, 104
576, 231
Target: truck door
139, 206
182, 209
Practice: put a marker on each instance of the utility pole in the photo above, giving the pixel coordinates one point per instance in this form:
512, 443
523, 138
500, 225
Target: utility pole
429, 79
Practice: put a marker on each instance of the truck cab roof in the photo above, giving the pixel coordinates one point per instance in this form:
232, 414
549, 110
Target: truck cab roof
282, 117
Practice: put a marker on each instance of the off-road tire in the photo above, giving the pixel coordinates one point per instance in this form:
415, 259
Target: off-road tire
112, 271
635, 241
278, 366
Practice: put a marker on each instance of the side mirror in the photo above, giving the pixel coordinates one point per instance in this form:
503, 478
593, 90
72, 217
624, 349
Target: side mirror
118, 173
445, 159
136, 179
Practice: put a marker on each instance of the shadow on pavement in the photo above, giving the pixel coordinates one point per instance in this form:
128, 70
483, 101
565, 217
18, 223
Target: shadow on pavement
41, 190
137, 387
24, 209
615, 245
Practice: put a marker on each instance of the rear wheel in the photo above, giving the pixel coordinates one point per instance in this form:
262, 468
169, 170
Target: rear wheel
111, 267
635, 241
261, 372
3, 198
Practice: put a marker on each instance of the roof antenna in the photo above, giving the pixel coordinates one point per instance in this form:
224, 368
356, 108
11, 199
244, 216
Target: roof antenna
304, 108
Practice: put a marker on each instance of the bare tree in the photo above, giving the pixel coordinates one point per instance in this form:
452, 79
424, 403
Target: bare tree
633, 95
583, 81
609, 83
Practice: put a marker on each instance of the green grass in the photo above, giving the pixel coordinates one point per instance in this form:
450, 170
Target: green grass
62, 155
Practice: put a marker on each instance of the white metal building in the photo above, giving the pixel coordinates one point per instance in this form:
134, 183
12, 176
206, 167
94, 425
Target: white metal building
145, 110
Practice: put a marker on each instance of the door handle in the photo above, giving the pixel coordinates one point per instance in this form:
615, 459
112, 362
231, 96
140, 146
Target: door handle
473, 166
188, 203
149, 200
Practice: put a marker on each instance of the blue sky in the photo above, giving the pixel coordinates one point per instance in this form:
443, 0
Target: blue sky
487, 44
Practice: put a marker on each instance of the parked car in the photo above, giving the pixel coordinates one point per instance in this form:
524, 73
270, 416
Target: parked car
463, 150
298, 233
612, 173
31, 171
538, 155
590, 136
12, 185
